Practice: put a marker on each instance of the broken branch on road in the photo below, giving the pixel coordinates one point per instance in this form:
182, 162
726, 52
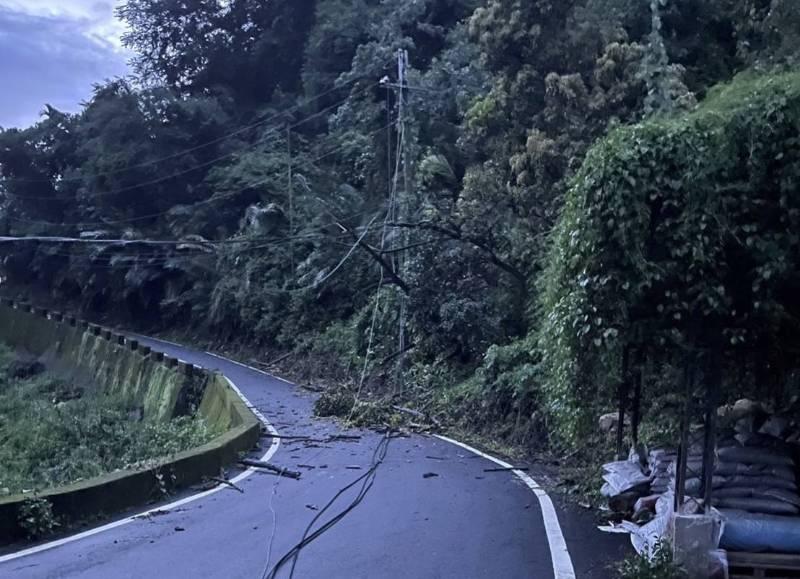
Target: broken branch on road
506, 469
223, 481
280, 471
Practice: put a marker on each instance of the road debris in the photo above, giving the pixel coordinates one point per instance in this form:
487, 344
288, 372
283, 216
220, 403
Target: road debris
280, 471
151, 514
223, 481
430, 475
506, 469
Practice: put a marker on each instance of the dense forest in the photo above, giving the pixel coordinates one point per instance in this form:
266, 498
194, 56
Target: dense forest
424, 237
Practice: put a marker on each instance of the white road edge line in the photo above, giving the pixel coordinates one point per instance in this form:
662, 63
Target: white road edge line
559, 554
562, 563
278, 378
174, 505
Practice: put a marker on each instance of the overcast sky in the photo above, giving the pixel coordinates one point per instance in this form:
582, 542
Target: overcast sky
52, 52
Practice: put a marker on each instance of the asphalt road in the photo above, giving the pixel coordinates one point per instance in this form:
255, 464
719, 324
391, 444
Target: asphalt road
433, 512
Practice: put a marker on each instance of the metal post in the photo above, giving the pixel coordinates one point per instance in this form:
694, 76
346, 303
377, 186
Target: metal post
291, 196
713, 383
637, 401
683, 450
622, 396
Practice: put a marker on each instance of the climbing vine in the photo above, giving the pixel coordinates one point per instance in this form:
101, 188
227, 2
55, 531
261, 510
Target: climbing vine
676, 233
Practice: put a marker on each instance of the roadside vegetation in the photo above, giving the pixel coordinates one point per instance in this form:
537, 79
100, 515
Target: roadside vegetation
567, 165
54, 432
660, 566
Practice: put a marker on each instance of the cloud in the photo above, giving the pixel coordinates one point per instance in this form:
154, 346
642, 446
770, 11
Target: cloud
53, 54
97, 17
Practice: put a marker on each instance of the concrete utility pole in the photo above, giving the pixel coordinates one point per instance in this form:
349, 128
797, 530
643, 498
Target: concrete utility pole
403, 201
291, 194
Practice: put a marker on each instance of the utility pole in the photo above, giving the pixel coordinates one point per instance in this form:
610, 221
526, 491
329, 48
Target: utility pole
291, 195
403, 201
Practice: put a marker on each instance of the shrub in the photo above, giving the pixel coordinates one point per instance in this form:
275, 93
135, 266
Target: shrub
678, 234
36, 518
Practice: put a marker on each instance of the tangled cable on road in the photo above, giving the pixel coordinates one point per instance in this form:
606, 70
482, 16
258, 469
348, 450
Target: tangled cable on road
367, 480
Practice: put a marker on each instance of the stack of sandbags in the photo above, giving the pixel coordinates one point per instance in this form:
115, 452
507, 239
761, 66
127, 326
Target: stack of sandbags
754, 469
661, 464
756, 473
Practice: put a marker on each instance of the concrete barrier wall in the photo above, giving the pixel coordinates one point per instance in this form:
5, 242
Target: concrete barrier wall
101, 357
163, 386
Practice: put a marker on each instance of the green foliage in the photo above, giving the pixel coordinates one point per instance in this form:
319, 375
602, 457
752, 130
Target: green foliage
53, 433
36, 518
508, 96
659, 566
677, 233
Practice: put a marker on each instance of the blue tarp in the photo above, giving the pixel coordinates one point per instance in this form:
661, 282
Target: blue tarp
757, 533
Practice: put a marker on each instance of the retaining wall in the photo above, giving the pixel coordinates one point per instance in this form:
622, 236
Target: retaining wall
163, 386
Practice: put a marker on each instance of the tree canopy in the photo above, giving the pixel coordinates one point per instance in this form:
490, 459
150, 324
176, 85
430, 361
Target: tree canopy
259, 138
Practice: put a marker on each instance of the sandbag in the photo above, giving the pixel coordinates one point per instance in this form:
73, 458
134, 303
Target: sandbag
746, 492
693, 485
754, 455
766, 481
775, 426
790, 497
733, 468
761, 440
756, 533
756, 505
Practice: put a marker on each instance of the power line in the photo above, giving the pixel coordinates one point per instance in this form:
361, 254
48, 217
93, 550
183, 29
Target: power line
134, 242
262, 140
367, 480
212, 142
210, 200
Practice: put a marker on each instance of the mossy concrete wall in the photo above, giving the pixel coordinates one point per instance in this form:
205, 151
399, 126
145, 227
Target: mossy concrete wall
163, 386
116, 364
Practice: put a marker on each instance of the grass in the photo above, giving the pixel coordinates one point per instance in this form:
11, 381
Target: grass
53, 432
660, 566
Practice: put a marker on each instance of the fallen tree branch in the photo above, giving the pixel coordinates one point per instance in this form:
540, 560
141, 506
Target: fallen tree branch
226, 482
415, 413
280, 471
506, 469
388, 269
273, 362
391, 357
331, 438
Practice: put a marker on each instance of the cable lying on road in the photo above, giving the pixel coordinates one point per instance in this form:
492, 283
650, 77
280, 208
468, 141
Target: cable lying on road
367, 480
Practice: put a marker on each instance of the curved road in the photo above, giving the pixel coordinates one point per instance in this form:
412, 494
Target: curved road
433, 512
